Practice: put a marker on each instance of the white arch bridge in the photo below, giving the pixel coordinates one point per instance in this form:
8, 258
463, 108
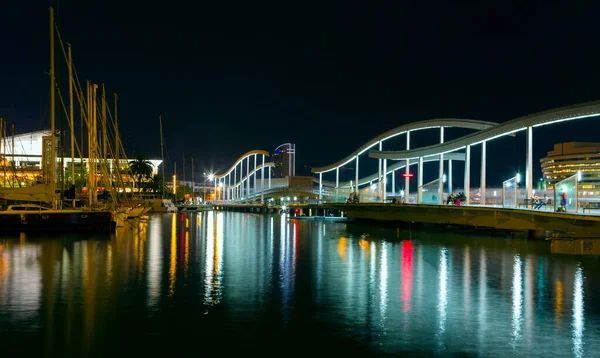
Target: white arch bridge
249, 178
455, 149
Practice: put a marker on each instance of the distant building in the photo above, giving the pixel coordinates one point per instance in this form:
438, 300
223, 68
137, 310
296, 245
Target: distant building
284, 159
23, 164
567, 158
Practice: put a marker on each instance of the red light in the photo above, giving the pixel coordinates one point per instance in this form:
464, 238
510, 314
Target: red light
407, 175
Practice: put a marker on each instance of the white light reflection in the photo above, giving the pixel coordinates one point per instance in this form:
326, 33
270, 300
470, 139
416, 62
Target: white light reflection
319, 262
467, 283
209, 259
154, 268
372, 270
383, 284
282, 225
443, 291
517, 293
482, 298
578, 312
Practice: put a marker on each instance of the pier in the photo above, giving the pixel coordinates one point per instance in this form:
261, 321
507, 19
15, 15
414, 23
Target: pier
466, 216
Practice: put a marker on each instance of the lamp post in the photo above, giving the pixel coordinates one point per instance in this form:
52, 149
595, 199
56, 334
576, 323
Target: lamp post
209, 177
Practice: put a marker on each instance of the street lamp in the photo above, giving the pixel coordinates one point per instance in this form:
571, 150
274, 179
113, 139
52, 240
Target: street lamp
209, 177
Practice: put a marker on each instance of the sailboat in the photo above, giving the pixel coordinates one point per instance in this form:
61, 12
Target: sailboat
36, 217
162, 205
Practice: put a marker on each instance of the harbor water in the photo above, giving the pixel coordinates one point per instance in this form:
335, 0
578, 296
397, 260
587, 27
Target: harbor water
239, 283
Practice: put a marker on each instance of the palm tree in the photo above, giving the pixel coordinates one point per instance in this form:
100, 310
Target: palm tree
141, 168
156, 183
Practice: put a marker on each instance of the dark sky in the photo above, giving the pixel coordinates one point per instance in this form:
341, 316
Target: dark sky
228, 77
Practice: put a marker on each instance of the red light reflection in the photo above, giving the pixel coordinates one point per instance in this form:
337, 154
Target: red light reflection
407, 273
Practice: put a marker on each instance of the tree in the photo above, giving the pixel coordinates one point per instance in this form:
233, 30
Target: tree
140, 168
80, 176
157, 184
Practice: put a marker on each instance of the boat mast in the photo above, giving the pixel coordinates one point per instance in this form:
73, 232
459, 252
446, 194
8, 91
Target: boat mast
71, 117
3, 150
183, 181
175, 181
104, 140
162, 156
12, 183
193, 185
52, 160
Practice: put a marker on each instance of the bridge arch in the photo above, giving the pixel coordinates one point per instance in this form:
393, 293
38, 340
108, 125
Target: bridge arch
526, 123
235, 186
440, 123
421, 125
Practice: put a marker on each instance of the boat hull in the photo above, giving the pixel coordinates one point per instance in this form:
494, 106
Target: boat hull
56, 221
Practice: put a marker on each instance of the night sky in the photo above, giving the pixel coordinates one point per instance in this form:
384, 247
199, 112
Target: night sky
228, 77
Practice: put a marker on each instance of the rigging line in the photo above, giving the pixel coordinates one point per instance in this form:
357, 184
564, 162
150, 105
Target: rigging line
62, 102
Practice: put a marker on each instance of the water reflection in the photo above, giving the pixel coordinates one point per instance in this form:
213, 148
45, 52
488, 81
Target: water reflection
578, 313
383, 283
260, 277
213, 260
407, 268
155, 261
517, 304
173, 256
482, 299
443, 292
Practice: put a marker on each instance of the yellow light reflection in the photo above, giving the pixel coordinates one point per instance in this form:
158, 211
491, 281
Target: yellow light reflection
558, 303
3, 268
342, 247
365, 246
173, 256
187, 253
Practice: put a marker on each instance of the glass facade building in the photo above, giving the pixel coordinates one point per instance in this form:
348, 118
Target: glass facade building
568, 158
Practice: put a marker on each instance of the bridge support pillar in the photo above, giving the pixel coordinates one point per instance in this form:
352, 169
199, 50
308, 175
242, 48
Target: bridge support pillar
337, 181
320, 186
262, 181
254, 191
529, 162
356, 176
384, 183
420, 179
468, 173
248, 180
393, 183
379, 170
407, 178
449, 176
269, 172
482, 189
441, 170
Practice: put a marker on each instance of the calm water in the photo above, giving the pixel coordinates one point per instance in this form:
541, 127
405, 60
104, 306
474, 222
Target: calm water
245, 283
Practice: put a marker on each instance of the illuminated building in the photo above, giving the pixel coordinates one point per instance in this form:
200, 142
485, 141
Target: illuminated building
284, 159
567, 158
23, 163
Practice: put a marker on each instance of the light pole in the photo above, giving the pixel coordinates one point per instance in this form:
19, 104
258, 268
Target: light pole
208, 177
